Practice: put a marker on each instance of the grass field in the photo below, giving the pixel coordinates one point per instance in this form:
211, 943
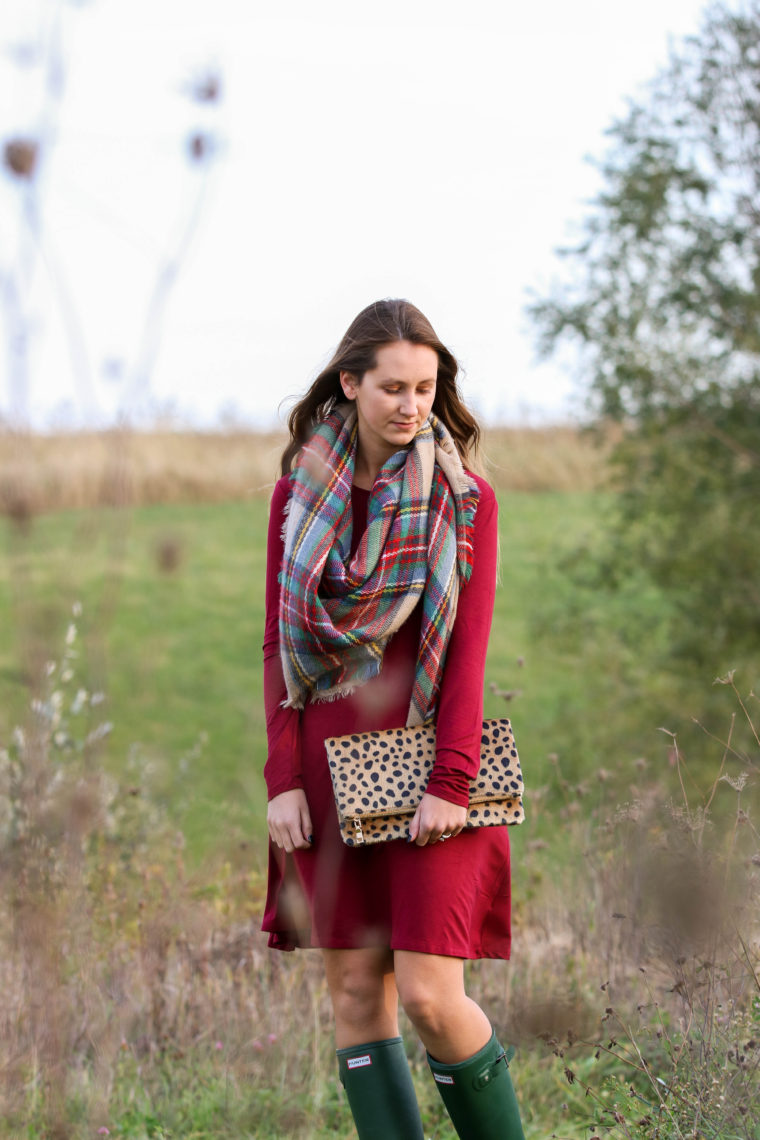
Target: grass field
172, 629
138, 995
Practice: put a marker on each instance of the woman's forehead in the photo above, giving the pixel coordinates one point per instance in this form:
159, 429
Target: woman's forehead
403, 361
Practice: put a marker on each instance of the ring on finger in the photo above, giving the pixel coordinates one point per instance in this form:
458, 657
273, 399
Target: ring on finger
446, 835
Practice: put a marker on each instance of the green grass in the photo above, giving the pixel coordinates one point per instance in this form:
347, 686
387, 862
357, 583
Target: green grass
178, 652
172, 627
210, 1097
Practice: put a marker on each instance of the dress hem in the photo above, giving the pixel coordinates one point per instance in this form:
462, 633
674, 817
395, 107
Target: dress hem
288, 942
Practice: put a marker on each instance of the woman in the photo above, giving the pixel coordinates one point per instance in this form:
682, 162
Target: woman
380, 590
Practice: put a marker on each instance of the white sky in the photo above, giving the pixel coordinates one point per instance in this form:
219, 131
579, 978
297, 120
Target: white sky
427, 149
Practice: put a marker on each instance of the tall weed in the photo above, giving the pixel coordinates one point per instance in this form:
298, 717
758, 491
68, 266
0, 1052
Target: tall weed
663, 921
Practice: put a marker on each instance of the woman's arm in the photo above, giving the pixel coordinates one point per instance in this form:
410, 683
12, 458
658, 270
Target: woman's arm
288, 816
282, 770
460, 704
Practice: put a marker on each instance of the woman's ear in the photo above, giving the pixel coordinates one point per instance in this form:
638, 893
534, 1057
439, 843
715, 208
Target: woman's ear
349, 384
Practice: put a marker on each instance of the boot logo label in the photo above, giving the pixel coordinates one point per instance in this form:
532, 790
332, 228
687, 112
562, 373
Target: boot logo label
443, 1080
359, 1062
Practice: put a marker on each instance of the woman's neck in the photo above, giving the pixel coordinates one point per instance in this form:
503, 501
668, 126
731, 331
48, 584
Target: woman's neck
368, 464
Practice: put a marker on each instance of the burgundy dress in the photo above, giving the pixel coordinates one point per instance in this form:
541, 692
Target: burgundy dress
449, 898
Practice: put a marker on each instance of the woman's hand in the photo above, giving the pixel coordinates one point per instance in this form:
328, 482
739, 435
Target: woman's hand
436, 817
289, 821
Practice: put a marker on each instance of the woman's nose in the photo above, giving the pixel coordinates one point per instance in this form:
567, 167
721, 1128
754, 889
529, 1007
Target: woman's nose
409, 404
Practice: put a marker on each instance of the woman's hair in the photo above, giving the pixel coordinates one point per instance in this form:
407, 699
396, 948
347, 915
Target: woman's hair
381, 323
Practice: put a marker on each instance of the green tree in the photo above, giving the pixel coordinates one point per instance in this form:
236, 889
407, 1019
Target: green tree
662, 296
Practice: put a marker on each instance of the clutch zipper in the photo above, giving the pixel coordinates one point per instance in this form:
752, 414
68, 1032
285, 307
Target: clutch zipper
358, 833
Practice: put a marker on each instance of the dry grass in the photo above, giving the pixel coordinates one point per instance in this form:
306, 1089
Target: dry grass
55, 472
637, 955
559, 458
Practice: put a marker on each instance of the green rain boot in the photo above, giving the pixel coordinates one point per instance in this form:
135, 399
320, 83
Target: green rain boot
479, 1096
379, 1088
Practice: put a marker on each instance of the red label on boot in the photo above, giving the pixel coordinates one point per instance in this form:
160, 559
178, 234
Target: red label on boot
359, 1062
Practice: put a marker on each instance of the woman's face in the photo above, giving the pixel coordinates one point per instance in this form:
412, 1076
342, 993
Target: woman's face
394, 398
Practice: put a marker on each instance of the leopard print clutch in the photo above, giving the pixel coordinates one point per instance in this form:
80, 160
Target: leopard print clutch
379, 777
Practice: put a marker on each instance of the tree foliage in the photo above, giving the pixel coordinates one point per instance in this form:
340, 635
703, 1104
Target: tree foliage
662, 294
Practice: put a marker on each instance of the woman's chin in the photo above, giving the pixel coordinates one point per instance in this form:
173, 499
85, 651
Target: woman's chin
402, 432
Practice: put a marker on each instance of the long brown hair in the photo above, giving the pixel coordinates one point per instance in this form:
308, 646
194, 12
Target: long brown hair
383, 322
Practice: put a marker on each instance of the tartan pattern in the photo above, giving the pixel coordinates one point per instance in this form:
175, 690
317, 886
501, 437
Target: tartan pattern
337, 611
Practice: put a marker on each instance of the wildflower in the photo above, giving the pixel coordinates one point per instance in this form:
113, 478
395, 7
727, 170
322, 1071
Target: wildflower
99, 733
218, 1045
71, 634
736, 782
104, 1131
79, 700
258, 1046
76, 609
272, 1038
49, 668
66, 676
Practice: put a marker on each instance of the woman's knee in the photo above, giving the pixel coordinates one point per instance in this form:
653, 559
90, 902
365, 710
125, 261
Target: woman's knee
359, 989
357, 999
430, 996
424, 1007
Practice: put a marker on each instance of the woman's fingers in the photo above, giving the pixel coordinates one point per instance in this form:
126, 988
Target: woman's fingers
306, 829
436, 818
289, 821
414, 826
290, 838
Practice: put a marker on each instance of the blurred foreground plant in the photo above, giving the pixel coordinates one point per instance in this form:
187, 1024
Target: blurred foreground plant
670, 898
141, 999
116, 965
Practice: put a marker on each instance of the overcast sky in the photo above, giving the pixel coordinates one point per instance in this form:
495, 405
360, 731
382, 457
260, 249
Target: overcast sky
419, 148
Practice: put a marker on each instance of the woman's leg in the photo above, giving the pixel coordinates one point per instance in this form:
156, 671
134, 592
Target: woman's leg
452, 1026
363, 994
371, 1059
470, 1068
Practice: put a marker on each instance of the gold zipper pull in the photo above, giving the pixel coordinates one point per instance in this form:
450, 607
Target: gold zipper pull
358, 833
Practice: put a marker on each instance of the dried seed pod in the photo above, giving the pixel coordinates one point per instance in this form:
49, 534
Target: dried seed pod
20, 157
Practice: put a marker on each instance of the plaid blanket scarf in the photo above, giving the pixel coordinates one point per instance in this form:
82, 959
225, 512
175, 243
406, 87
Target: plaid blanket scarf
337, 612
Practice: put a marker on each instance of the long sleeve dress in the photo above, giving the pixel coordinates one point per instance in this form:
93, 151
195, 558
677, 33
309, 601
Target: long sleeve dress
449, 898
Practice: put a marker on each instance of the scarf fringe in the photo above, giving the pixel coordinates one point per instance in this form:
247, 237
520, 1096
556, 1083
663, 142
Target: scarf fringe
323, 698
285, 516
